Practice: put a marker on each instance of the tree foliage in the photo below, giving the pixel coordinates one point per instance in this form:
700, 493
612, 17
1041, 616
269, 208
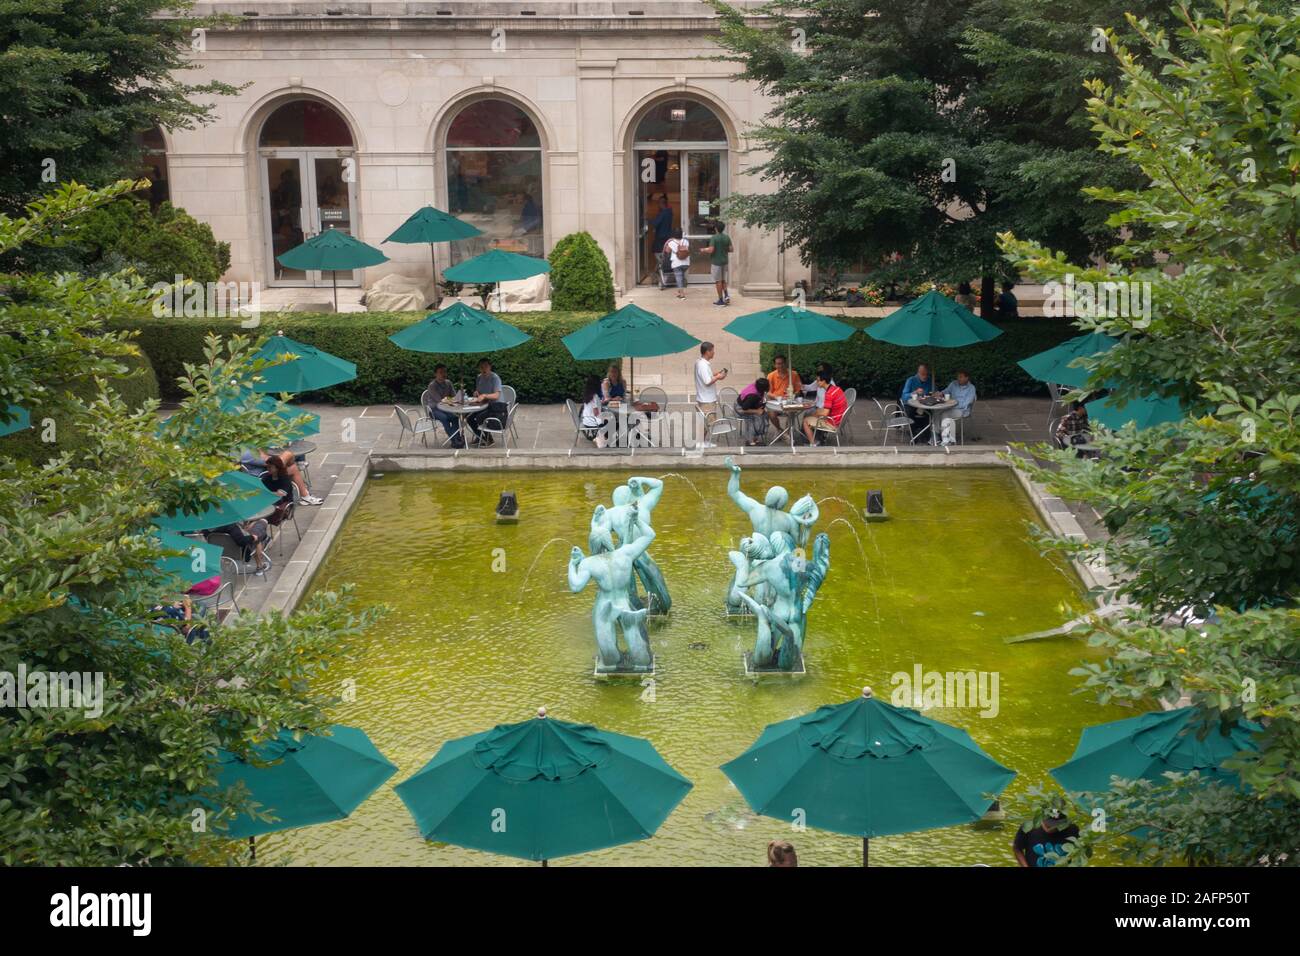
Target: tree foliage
1204, 517
79, 576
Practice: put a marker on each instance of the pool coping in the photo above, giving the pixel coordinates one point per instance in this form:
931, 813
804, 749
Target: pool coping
311, 552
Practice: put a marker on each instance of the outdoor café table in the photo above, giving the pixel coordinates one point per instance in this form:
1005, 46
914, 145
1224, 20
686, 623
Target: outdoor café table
933, 410
300, 447
792, 410
462, 411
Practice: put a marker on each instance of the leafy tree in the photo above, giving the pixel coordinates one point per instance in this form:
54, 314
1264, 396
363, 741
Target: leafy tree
78, 580
158, 245
581, 280
79, 79
924, 129
1205, 516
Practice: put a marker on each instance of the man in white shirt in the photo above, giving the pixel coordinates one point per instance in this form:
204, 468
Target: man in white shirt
706, 383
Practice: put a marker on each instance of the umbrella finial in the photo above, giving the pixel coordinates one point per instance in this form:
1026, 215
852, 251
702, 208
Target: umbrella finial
279, 331
867, 694
541, 713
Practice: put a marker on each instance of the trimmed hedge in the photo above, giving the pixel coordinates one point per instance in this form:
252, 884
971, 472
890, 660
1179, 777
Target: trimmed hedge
879, 369
580, 277
541, 370
134, 389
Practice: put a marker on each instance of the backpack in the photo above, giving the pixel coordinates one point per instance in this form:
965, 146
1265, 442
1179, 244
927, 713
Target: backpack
678, 248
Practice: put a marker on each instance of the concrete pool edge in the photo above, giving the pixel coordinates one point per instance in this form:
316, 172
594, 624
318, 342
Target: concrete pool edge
309, 556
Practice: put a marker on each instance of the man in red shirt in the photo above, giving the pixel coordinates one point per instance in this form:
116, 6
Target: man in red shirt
834, 408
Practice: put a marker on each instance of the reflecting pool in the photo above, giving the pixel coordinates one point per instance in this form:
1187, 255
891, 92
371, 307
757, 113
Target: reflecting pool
483, 630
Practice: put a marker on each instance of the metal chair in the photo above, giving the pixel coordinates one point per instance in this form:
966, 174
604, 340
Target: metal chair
893, 417
511, 398
422, 426
826, 427
498, 429
717, 424
657, 395
290, 514
575, 413
230, 572
851, 399
1059, 405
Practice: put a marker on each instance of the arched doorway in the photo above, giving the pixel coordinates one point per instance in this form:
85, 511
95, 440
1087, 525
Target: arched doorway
309, 184
680, 157
493, 158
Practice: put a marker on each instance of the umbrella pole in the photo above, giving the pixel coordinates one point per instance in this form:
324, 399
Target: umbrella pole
543, 864
865, 850
252, 847
334, 278
437, 289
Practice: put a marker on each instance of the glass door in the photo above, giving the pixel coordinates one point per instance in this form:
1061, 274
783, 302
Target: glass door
702, 195
659, 206
306, 192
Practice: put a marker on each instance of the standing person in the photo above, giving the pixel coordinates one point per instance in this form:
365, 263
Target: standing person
706, 380
487, 389
963, 390
1008, 305
831, 408
1035, 847
719, 249
661, 230
966, 296
679, 251
440, 390
753, 415
781, 853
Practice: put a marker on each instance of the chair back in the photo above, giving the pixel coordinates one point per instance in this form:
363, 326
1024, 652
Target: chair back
509, 396
654, 394
229, 550
404, 419
728, 397
575, 412
426, 400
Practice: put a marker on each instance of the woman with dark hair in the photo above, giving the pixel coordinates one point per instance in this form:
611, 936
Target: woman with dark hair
277, 480
751, 403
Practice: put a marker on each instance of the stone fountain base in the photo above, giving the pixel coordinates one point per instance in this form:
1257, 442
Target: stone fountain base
757, 673
601, 672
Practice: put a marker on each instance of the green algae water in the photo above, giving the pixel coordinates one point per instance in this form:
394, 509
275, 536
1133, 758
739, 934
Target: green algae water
483, 630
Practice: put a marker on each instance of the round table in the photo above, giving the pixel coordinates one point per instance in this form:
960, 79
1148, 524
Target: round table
627, 423
462, 411
790, 410
299, 447
936, 409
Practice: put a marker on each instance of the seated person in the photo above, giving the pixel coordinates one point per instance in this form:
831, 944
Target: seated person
613, 386
820, 401
258, 466
916, 386
487, 391
833, 408
1074, 429
962, 390
751, 405
593, 419
441, 390
780, 379
251, 537
183, 612
278, 481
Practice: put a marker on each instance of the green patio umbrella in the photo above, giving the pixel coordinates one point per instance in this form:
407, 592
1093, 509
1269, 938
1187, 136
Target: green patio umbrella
15, 420
933, 320
269, 403
789, 326
247, 496
1145, 412
330, 251
497, 266
1056, 365
312, 369
197, 560
459, 328
313, 780
869, 769
433, 225
543, 789
630, 331
1145, 747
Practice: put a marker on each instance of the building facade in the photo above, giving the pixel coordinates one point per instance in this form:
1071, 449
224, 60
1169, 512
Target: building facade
530, 120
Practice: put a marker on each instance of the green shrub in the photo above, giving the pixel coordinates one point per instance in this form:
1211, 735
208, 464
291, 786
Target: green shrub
136, 387
541, 370
159, 246
580, 276
878, 369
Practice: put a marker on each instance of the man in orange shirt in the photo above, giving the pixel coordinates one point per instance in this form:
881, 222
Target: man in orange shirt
834, 405
778, 381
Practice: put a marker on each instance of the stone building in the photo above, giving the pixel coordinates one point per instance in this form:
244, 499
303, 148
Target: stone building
531, 120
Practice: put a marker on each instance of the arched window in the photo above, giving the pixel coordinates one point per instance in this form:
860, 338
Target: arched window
153, 163
681, 121
494, 178
305, 123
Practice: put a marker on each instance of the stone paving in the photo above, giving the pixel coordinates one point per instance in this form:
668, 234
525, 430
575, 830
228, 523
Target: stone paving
350, 436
